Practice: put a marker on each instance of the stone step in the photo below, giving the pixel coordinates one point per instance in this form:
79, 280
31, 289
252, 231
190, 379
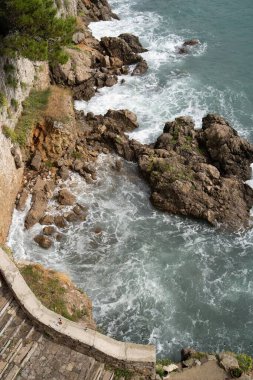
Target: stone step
18, 352
107, 375
95, 371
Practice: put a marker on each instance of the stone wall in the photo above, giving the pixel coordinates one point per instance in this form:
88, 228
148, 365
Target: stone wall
136, 357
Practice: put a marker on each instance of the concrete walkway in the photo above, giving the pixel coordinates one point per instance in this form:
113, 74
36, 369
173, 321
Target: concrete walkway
26, 354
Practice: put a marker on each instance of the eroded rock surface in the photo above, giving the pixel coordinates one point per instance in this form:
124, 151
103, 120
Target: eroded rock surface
196, 173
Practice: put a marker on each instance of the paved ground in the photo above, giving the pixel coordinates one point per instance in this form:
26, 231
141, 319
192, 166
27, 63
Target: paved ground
26, 354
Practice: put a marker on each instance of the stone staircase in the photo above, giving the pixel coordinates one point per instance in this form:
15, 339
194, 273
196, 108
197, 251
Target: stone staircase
28, 354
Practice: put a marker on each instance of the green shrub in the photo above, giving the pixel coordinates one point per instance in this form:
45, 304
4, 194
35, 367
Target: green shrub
14, 104
33, 108
245, 362
30, 28
11, 81
9, 133
3, 100
122, 373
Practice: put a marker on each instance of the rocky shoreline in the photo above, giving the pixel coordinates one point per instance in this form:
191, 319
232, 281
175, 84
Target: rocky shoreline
194, 173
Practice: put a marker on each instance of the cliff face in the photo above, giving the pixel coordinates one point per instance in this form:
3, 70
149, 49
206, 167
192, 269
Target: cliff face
17, 78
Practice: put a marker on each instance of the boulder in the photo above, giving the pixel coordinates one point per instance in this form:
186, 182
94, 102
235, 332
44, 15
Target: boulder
38, 208
230, 153
187, 353
78, 37
22, 200
36, 161
170, 368
229, 363
63, 172
111, 80
141, 68
43, 241
60, 221
49, 230
117, 47
85, 90
134, 42
123, 120
47, 219
66, 198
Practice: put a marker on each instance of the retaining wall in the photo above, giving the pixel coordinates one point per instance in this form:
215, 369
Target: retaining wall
136, 357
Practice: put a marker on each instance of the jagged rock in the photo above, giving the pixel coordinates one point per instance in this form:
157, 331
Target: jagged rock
76, 70
22, 200
73, 217
78, 37
36, 161
49, 230
18, 161
134, 42
66, 198
47, 219
141, 68
111, 80
43, 241
86, 90
38, 208
184, 180
116, 47
60, 221
229, 363
231, 154
124, 120
64, 173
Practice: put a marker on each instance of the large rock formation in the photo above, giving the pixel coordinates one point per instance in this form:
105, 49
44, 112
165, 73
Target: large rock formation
196, 173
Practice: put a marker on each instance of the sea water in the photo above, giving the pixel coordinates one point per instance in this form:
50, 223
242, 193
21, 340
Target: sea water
156, 278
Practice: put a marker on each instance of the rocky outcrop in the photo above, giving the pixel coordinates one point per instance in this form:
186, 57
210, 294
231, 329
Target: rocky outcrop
187, 178
116, 47
134, 42
196, 173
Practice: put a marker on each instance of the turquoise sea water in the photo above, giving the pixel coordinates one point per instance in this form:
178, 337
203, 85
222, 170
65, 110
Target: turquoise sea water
156, 278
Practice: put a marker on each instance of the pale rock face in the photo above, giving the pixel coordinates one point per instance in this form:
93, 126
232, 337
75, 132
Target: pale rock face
10, 182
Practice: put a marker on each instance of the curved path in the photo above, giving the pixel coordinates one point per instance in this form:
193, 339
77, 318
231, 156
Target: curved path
36, 343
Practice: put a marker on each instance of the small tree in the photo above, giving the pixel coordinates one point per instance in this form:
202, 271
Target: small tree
30, 28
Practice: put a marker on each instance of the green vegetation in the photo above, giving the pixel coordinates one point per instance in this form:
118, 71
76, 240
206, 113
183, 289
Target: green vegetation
7, 250
33, 108
3, 100
9, 133
11, 81
14, 104
77, 155
49, 290
245, 362
125, 373
30, 28
160, 364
